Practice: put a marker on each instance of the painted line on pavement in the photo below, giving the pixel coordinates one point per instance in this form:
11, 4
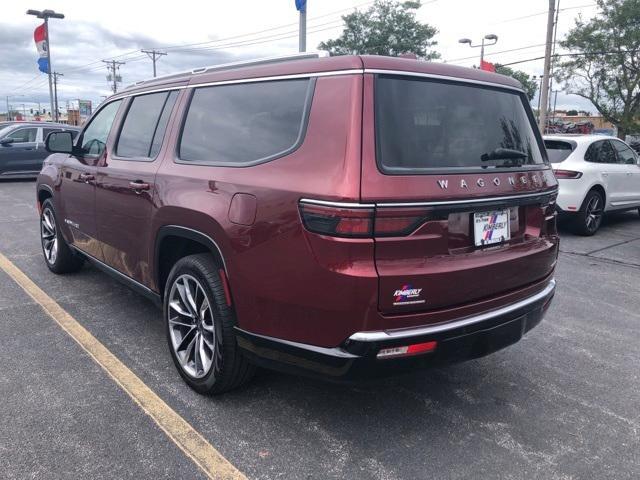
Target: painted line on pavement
192, 443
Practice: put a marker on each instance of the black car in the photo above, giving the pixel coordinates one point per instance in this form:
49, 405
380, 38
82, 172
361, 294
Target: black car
22, 147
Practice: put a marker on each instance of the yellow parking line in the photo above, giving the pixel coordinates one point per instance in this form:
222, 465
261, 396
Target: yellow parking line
194, 445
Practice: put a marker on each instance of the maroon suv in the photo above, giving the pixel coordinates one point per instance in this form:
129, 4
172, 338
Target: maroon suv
344, 217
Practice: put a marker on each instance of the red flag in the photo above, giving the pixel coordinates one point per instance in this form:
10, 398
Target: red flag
489, 67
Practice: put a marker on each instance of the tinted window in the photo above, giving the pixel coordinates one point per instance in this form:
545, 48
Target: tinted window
23, 135
94, 137
423, 124
625, 154
143, 127
600, 152
244, 124
557, 150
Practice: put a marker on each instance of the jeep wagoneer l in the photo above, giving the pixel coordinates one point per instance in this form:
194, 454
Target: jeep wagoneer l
343, 217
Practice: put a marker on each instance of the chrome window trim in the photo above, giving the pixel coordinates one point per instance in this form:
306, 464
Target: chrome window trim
441, 77
242, 80
383, 335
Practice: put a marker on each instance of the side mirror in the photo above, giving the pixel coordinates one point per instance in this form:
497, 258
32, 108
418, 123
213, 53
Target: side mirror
59, 142
6, 141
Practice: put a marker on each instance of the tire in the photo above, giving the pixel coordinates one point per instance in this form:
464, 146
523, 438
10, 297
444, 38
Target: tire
217, 366
589, 218
57, 254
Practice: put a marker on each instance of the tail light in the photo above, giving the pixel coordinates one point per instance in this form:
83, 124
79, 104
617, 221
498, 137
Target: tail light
338, 221
360, 222
567, 174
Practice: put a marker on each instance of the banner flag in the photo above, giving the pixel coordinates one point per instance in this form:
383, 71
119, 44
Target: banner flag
40, 37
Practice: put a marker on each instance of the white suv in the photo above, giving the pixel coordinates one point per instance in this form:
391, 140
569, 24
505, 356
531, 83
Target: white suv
596, 174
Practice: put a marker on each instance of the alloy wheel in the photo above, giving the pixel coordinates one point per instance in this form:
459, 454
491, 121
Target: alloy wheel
49, 236
191, 326
593, 212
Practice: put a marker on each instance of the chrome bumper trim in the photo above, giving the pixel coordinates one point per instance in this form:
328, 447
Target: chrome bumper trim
382, 335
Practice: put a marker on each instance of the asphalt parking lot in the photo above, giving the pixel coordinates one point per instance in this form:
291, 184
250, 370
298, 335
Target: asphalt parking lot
564, 403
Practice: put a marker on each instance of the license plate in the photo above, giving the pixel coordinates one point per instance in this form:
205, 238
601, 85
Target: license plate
491, 227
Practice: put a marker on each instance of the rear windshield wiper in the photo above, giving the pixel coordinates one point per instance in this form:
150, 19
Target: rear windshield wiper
514, 158
503, 153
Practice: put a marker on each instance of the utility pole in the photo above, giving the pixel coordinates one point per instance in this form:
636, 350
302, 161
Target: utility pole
56, 115
46, 15
301, 5
8, 110
544, 94
154, 55
113, 67
553, 52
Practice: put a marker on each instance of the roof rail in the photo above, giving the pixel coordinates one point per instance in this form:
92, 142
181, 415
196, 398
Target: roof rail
232, 65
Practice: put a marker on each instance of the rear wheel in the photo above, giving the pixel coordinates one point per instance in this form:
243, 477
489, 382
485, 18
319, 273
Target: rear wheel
589, 217
200, 328
57, 254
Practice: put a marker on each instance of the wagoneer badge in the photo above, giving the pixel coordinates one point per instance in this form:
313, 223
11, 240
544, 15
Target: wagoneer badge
482, 182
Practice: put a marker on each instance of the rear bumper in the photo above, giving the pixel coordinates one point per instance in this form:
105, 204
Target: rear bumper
356, 358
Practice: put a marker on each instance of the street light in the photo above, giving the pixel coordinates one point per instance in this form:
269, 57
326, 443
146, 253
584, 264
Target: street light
489, 36
46, 15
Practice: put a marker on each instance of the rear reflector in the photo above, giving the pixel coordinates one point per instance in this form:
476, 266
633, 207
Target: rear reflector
408, 350
568, 174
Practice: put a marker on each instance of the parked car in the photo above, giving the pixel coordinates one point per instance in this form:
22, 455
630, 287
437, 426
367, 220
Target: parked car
344, 217
22, 148
596, 174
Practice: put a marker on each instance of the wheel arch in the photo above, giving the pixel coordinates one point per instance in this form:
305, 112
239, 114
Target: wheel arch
44, 192
174, 242
598, 188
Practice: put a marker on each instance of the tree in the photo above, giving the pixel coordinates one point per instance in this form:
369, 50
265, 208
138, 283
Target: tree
529, 84
572, 113
386, 28
605, 66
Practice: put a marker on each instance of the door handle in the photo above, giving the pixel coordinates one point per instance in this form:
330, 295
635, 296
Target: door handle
605, 174
629, 174
138, 186
86, 177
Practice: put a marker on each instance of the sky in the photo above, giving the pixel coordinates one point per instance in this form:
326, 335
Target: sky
207, 33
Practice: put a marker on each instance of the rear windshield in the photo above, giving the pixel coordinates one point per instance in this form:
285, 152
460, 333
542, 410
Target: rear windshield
423, 125
558, 151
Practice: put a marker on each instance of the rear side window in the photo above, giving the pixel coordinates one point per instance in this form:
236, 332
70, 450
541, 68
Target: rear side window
245, 124
557, 150
144, 125
423, 125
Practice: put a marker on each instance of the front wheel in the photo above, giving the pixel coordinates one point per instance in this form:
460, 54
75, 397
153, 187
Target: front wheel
589, 218
200, 328
57, 254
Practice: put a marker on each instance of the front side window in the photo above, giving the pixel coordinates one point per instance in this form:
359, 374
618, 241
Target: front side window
422, 125
625, 154
144, 126
24, 135
244, 124
94, 137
